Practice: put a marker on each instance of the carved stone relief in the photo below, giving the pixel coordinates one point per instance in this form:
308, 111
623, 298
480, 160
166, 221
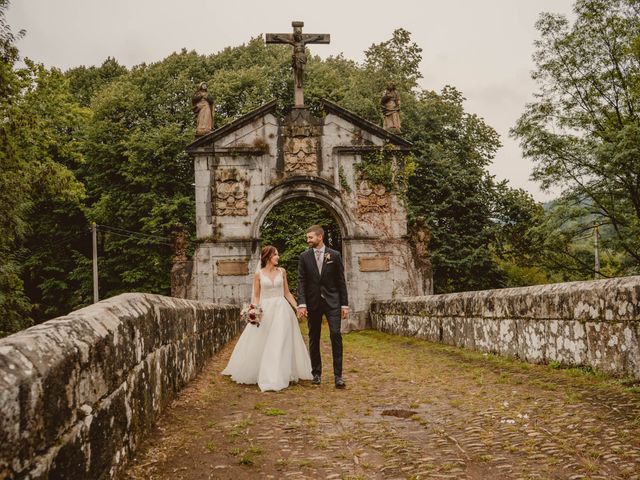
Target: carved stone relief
301, 149
230, 194
300, 155
372, 198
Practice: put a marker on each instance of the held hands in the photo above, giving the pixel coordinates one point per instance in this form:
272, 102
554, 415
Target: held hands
302, 312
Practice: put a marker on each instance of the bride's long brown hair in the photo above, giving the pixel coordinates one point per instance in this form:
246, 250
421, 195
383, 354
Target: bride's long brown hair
266, 254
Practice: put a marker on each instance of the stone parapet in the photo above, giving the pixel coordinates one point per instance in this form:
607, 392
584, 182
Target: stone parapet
77, 393
593, 323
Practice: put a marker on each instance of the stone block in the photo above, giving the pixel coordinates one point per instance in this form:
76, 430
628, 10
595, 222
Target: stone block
507, 336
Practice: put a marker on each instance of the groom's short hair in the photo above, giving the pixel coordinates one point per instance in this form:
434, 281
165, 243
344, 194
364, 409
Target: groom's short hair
317, 229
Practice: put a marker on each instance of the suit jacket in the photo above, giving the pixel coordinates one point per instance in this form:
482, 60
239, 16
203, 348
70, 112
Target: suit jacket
330, 284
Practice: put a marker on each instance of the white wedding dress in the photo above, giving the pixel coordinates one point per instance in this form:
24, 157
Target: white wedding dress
274, 353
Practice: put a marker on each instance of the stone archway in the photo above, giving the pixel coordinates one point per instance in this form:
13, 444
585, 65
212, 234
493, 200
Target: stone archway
246, 168
306, 202
310, 188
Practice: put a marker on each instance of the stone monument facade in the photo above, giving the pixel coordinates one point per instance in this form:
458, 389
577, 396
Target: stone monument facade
247, 167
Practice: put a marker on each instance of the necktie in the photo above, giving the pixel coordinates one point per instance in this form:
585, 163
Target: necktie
319, 260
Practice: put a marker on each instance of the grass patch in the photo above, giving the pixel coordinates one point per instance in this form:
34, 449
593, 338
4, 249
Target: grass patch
256, 450
274, 412
247, 422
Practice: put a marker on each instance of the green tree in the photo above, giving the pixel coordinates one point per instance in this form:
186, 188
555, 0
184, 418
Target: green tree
14, 201
38, 145
583, 130
452, 189
138, 176
50, 141
518, 246
86, 82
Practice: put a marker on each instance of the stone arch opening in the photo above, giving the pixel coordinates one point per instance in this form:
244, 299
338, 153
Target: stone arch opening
285, 228
301, 204
322, 193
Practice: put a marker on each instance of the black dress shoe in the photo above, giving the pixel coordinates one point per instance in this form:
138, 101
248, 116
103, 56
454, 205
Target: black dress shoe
316, 380
340, 383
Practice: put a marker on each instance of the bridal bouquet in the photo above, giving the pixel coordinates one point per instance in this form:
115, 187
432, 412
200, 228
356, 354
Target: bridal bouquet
252, 314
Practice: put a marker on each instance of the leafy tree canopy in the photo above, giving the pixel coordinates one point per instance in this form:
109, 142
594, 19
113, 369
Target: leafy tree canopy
583, 129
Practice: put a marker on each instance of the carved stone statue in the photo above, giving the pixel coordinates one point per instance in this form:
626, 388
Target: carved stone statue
180, 244
372, 198
202, 103
391, 109
299, 59
421, 237
182, 268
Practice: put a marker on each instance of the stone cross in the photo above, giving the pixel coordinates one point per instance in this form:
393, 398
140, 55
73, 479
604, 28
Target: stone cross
299, 58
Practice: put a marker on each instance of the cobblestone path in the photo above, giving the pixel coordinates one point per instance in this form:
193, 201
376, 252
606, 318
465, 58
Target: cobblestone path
411, 409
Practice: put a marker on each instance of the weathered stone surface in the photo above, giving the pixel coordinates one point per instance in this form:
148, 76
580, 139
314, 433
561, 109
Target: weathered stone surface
595, 323
78, 392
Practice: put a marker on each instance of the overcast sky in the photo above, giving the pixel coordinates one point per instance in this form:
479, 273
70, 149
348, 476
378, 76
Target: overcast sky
483, 47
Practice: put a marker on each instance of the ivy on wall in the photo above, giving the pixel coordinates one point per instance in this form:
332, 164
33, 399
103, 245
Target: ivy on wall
388, 167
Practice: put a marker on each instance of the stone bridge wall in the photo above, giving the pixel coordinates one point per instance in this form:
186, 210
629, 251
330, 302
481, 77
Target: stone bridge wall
594, 323
77, 393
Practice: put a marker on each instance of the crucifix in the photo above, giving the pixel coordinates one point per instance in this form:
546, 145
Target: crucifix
299, 59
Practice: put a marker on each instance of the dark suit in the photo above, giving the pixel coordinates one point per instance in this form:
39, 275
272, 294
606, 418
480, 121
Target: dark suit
323, 294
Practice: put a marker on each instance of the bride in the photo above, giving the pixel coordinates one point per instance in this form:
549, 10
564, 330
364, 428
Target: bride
273, 354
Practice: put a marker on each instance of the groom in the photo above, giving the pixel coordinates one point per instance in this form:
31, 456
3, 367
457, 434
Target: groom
322, 290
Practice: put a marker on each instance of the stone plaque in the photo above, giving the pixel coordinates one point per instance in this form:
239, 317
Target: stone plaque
374, 264
233, 267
